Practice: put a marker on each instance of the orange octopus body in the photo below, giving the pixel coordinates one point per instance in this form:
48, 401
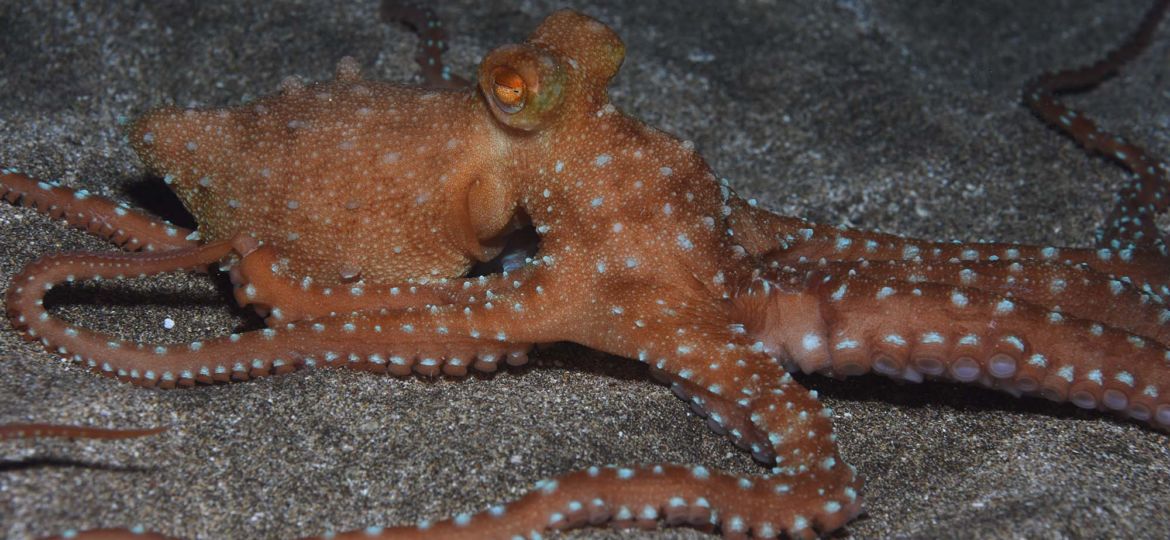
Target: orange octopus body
348, 180
643, 253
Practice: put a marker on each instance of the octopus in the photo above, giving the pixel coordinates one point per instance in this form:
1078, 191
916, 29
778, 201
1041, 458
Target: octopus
357, 218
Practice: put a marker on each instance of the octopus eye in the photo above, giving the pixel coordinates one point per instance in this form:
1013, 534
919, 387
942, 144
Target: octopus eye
523, 86
508, 89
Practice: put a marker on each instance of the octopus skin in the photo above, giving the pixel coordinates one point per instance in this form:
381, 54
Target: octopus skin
762, 295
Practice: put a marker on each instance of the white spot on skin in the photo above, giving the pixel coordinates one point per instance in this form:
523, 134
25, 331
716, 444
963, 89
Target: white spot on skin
1116, 287
1057, 286
846, 344
1014, 342
966, 276
894, 339
959, 299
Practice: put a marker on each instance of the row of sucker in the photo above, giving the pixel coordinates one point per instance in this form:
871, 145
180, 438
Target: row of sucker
911, 331
116, 222
273, 351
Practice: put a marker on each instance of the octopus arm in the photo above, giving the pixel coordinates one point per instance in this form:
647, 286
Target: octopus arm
395, 341
787, 241
124, 226
1130, 244
782, 240
643, 496
1131, 223
910, 330
809, 490
1077, 291
111, 534
40, 431
747, 395
432, 42
283, 298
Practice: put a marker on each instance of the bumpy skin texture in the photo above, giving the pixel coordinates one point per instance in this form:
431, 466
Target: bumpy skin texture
684, 275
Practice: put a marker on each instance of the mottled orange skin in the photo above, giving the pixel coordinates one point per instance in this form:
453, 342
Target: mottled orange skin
335, 175
595, 183
404, 183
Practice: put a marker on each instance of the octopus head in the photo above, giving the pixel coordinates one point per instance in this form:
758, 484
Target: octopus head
560, 71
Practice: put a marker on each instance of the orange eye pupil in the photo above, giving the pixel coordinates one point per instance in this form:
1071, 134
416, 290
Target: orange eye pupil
509, 88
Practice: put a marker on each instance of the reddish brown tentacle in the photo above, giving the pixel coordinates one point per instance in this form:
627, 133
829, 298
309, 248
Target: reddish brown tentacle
99, 216
1072, 290
788, 241
913, 330
382, 341
809, 490
633, 497
283, 299
432, 42
26, 310
1131, 246
1132, 220
40, 431
111, 534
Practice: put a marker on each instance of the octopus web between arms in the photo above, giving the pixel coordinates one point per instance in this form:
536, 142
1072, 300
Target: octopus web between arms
347, 211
